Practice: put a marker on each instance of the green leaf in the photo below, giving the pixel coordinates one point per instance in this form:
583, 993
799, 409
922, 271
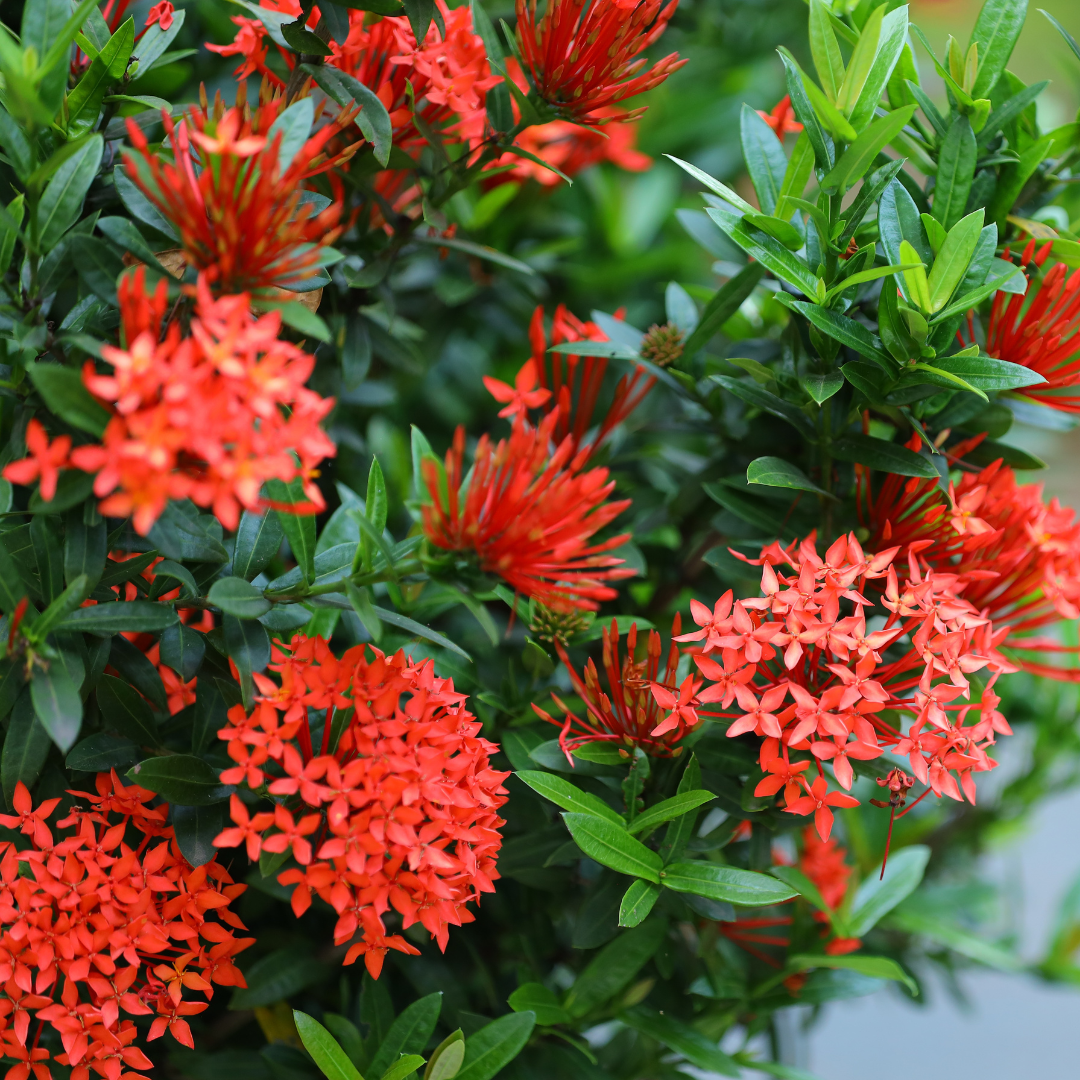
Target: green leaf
57, 704
132, 664
860, 155
294, 127
899, 220
332, 1061
100, 753
108, 67
537, 998
446, 1058
953, 259
638, 902
820, 388
752, 510
714, 185
402, 622
754, 395
765, 159
136, 616
195, 828
800, 103
565, 795
956, 938
495, 1045
725, 883
610, 845
793, 876
62, 201
1013, 177
883, 456
876, 898
68, 600
776, 472
183, 535
277, 976
890, 47
956, 171
989, 373
769, 252
825, 50
405, 1067
778, 229
878, 967
862, 59
996, 31
420, 13
373, 120
63, 392
609, 349
126, 711
299, 528
611, 970
167, 570
301, 319
409, 1033
258, 539
686, 1041
479, 251
84, 548
125, 235
155, 41
669, 809
140, 207
180, 778
26, 746
183, 649
248, 646
1069, 39
237, 597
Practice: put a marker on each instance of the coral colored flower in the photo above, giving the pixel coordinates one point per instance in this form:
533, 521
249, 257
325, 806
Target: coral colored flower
98, 929
822, 861
782, 118
210, 417
639, 692
162, 14
797, 670
527, 515
44, 463
583, 58
1018, 555
404, 809
238, 210
1039, 330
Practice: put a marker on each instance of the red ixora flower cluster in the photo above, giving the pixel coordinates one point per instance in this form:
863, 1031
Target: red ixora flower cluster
630, 713
1017, 556
397, 809
798, 668
583, 58
237, 207
93, 928
1039, 330
209, 417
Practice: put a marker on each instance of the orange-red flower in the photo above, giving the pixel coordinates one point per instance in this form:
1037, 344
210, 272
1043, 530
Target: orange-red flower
1039, 330
583, 58
236, 206
404, 806
94, 927
528, 515
209, 417
782, 118
629, 714
44, 462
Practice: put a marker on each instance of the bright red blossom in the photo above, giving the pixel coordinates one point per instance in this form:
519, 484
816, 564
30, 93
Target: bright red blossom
93, 928
401, 813
782, 118
582, 58
210, 417
44, 463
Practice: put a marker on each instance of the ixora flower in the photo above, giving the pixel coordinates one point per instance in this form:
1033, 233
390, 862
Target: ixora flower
527, 515
236, 204
209, 417
629, 715
44, 462
791, 668
568, 383
107, 919
1017, 556
398, 806
583, 58
1039, 330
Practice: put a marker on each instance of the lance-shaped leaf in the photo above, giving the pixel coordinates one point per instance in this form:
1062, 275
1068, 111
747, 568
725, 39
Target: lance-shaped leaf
610, 845
860, 155
565, 795
883, 456
769, 252
373, 120
726, 883
776, 472
847, 331
878, 967
669, 809
877, 897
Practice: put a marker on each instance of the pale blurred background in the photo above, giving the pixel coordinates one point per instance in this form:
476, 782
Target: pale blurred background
1008, 1027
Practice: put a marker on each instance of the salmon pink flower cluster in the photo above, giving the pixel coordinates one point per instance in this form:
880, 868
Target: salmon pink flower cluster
397, 808
800, 668
1017, 555
210, 416
238, 208
103, 922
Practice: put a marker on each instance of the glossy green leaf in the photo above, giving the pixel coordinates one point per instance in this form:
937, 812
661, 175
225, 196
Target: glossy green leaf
136, 616
610, 845
446, 1058
765, 159
793, 876
638, 902
102, 752
62, 200
57, 704
956, 171
725, 302
996, 31
373, 120
876, 898
565, 795
195, 828
860, 155
890, 47
63, 392
537, 998
324, 1049
878, 967
778, 473
754, 395
862, 59
293, 125
612, 969
403, 622
769, 252
726, 883
686, 1041
183, 648
669, 809
714, 185
140, 207
237, 597
124, 710
953, 258
495, 1045
883, 456
800, 103
409, 1033
26, 746
180, 778
847, 331
155, 42
822, 387
825, 50
277, 976
84, 548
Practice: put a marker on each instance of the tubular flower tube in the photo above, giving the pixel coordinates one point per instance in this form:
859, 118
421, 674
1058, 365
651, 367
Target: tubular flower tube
792, 669
527, 515
1039, 330
94, 928
402, 812
238, 209
629, 714
1017, 556
583, 58
567, 384
209, 417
